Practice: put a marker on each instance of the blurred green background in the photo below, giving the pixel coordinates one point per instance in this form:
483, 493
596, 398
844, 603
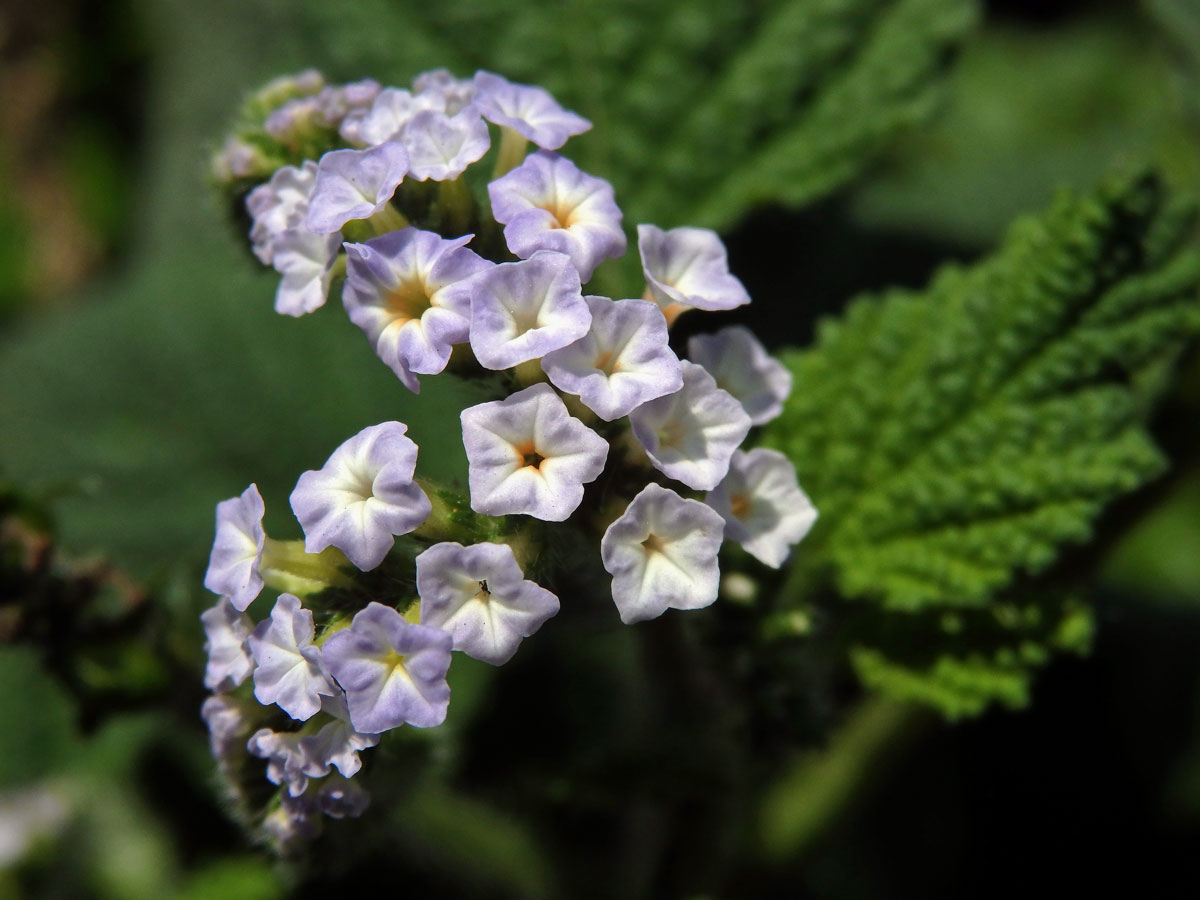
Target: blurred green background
143, 377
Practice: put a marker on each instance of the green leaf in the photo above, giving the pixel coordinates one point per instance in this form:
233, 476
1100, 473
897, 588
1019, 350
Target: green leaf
473, 843
234, 878
1033, 108
40, 737
177, 385
1179, 22
703, 110
962, 662
955, 437
1156, 562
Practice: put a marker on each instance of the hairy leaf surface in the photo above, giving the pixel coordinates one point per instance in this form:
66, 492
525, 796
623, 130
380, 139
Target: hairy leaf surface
703, 110
957, 438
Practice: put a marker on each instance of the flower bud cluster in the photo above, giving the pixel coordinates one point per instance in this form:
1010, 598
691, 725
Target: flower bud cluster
455, 246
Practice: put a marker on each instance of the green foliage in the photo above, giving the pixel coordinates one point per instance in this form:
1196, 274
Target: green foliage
797, 808
234, 878
179, 382
703, 111
1157, 560
41, 733
957, 438
1031, 109
476, 845
1179, 21
961, 662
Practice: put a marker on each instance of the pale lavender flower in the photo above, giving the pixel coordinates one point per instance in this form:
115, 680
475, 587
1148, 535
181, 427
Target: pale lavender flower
293, 757
278, 205
686, 268
393, 672
455, 93
363, 496
762, 504
229, 660
335, 102
295, 821
662, 554
526, 454
481, 597
621, 362
388, 113
354, 184
407, 290
741, 365
233, 567
547, 203
337, 744
691, 434
523, 310
287, 764
236, 160
530, 111
294, 119
306, 262
229, 722
340, 798
289, 672
440, 147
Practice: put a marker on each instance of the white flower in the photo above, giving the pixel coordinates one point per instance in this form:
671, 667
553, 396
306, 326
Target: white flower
363, 496
741, 365
391, 109
337, 744
278, 205
354, 184
289, 670
305, 260
547, 203
408, 291
229, 662
440, 147
662, 554
480, 596
622, 361
528, 110
687, 267
233, 567
526, 454
691, 434
523, 310
393, 672
762, 505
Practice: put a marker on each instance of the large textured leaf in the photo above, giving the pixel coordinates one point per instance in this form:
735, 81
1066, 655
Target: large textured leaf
962, 662
703, 110
954, 437
176, 385
957, 438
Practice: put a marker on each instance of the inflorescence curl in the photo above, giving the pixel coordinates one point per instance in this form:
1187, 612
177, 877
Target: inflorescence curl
491, 288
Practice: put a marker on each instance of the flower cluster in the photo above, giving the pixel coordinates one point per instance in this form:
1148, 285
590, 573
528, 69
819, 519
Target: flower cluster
442, 268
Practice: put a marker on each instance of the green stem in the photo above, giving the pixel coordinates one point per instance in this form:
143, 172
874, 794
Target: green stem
529, 372
287, 567
511, 153
450, 519
458, 206
388, 219
815, 794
